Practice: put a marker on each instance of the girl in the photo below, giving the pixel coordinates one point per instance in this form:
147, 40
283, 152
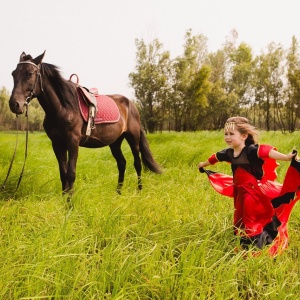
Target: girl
253, 167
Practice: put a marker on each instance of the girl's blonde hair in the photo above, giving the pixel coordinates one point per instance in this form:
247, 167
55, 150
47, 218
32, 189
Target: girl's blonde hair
243, 126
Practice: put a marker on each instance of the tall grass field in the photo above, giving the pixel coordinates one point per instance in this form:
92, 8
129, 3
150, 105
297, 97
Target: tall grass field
172, 240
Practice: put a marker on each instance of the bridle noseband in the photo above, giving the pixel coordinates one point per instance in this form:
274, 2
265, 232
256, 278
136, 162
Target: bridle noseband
38, 73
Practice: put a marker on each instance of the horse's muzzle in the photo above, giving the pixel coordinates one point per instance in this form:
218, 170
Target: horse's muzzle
17, 107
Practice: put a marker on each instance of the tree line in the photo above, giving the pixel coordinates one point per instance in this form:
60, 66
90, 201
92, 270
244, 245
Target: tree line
199, 90
8, 119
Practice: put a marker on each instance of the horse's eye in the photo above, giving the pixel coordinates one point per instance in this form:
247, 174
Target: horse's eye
30, 74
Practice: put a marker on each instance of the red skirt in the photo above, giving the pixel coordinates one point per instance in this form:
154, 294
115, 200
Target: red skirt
253, 209
257, 202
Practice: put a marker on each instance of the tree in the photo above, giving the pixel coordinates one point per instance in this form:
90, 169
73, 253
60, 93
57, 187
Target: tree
150, 81
36, 116
239, 83
223, 100
293, 86
190, 82
200, 90
6, 116
269, 73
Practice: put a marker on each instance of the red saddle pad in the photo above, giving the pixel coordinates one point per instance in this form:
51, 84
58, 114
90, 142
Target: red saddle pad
107, 110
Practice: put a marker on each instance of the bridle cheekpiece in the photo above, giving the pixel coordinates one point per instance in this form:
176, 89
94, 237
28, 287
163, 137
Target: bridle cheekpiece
38, 73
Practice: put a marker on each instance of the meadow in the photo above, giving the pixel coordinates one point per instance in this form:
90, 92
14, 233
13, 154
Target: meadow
172, 240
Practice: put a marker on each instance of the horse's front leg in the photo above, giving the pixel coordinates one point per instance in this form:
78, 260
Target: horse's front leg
72, 161
61, 156
67, 160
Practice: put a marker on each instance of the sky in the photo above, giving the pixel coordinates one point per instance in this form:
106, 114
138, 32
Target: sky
96, 38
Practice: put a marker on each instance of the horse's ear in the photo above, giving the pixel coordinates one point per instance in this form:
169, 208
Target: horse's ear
22, 56
38, 60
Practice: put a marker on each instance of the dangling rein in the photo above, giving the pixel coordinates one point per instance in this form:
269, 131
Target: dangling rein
14, 154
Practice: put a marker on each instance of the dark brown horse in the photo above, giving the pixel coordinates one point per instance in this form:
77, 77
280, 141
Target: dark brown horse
65, 126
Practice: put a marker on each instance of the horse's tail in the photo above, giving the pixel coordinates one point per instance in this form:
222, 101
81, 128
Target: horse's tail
147, 157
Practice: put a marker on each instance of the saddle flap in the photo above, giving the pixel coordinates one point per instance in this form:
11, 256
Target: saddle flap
87, 95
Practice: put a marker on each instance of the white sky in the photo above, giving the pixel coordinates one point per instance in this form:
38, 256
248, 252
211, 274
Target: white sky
96, 38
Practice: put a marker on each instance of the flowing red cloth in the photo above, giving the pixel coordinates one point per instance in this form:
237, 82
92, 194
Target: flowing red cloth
265, 196
253, 208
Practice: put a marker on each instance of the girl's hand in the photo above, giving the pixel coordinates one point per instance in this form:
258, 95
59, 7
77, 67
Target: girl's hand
291, 155
203, 164
200, 165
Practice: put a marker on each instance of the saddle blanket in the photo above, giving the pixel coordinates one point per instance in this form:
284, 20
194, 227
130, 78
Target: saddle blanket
107, 109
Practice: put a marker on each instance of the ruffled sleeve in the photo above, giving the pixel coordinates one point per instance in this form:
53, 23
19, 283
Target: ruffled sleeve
213, 159
270, 164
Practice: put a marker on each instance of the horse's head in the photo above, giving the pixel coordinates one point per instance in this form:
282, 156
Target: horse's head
27, 82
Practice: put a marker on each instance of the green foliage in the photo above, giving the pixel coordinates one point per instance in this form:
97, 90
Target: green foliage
190, 83
241, 73
7, 118
293, 76
172, 240
150, 81
236, 83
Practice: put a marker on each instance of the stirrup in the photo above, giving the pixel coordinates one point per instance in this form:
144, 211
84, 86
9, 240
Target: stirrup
91, 123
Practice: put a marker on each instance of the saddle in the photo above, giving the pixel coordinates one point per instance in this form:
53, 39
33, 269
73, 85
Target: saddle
95, 108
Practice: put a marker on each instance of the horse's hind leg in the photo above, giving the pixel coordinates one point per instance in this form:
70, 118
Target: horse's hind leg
121, 162
135, 149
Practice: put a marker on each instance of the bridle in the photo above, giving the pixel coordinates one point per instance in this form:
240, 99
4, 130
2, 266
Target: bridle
27, 101
38, 76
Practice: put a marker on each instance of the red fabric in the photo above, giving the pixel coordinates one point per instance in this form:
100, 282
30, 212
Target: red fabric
213, 159
291, 184
264, 150
281, 241
222, 183
253, 207
107, 109
270, 165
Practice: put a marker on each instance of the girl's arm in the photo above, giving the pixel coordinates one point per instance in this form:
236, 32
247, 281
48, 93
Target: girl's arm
210, 161
203, 164
280, 156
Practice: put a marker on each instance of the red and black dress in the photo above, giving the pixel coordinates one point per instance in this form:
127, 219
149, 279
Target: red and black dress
261, 205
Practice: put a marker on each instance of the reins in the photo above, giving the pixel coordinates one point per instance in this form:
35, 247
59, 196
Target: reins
13, 157
28, 99
15, 150
26, 147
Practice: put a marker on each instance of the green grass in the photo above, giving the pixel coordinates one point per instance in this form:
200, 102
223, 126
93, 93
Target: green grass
172, 240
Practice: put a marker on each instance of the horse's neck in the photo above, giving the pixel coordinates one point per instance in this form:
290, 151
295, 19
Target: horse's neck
50, 101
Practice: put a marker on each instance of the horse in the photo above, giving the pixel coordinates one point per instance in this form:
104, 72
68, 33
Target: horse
66, 127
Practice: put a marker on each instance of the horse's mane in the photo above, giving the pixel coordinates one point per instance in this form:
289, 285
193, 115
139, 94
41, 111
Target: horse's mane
64, 89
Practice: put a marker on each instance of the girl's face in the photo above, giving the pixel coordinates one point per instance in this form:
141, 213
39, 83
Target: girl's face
234, 139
